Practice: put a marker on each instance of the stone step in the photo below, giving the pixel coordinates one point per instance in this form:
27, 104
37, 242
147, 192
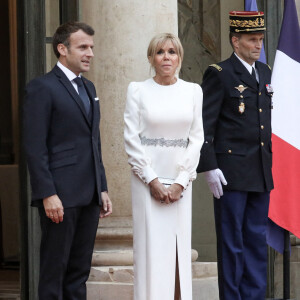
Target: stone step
9, 290
122, 256
204, 269
109, 291
113, 233
110, 282
9, 296
112, 257
124, 274
206, 288
203, 289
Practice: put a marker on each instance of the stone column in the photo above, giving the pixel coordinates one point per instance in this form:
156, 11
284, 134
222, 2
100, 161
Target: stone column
123, 32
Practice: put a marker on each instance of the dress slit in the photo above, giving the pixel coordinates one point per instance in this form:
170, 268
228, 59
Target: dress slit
177, 292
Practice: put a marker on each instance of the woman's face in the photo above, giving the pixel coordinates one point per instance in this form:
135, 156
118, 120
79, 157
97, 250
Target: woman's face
166, 60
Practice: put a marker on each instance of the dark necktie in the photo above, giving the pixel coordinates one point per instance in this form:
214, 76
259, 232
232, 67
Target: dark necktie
83, 94
253, 74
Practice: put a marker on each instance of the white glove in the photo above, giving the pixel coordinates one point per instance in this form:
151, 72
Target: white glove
215, 178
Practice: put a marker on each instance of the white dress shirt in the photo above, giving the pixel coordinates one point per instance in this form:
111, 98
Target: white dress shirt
70, 75
248, 67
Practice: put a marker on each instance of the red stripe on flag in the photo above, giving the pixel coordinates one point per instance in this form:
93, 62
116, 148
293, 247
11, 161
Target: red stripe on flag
284, 207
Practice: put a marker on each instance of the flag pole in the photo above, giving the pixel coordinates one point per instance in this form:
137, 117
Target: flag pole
286, 265
286, 268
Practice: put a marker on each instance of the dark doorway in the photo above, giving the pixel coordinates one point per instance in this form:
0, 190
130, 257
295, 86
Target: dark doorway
9, 160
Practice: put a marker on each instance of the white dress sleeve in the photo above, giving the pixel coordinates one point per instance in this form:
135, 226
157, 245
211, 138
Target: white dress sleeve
137, 158
189, 162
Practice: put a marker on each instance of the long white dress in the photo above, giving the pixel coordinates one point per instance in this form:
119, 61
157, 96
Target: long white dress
163, 137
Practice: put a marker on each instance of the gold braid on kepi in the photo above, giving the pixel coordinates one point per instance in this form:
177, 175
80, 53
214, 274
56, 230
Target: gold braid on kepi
247, 21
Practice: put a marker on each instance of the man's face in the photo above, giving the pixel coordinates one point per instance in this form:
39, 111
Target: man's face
248, 46
77, 57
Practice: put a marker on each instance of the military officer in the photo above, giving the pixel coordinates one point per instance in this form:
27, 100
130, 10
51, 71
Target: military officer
236, 157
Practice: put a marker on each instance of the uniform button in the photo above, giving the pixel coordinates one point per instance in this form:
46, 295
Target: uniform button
259, 93
262, 143
260, 110
242, 96
229, 151
262, 126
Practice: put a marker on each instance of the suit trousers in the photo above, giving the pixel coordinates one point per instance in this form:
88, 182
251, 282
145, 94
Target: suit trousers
241, 220
66, 252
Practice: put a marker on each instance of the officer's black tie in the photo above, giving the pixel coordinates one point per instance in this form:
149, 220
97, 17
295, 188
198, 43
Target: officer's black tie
253, 74
83, 94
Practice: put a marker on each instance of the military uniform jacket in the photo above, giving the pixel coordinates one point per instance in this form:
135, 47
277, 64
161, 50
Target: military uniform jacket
237, 125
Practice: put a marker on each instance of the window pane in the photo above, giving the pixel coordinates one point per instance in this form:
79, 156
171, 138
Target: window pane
50, 58
52, 16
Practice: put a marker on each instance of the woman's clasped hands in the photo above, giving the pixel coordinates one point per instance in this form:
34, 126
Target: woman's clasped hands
163, 194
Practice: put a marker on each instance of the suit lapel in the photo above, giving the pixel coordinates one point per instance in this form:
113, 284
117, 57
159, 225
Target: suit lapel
70, 88
244, 75
93, 103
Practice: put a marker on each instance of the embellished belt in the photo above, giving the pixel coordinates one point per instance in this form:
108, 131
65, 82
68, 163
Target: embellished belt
162, 142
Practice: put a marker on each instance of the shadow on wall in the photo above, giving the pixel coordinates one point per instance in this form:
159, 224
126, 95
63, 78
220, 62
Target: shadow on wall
202, 44
203, 224
202, 47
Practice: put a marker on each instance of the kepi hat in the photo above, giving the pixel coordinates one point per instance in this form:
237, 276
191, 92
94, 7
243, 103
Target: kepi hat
247, 21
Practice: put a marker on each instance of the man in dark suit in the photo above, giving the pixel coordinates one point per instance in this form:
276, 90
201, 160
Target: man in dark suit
237, 156
62, 144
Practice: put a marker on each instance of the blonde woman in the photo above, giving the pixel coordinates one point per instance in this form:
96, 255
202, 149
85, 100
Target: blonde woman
163, 137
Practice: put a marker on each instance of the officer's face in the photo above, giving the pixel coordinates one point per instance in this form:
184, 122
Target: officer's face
77, 56
248, 46
166, 60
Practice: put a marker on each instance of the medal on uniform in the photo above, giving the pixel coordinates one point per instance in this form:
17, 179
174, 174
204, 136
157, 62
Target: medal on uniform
242, 106
270, 92
269, 88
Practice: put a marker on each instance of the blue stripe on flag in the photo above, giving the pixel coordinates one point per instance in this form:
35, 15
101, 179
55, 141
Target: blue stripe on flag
289, 40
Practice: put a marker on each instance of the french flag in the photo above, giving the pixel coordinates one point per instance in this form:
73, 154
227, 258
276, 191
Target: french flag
284, 209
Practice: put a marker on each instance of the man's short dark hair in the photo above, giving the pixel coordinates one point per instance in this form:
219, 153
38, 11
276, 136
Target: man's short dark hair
231, 35
63, 32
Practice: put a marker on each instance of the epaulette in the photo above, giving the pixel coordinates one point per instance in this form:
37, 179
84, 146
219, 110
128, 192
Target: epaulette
216, 66
269, 67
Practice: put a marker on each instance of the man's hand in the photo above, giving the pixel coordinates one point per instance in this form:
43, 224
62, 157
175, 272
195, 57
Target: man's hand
106, 209
175, 191
215, 178
159, 191
54, 208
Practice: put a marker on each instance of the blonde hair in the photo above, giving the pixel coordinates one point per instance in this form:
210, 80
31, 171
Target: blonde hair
158, 41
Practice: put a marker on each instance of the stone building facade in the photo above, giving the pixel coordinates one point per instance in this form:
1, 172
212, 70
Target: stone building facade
123, 31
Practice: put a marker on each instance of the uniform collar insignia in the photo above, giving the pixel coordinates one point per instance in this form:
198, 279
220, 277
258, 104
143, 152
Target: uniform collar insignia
241, 88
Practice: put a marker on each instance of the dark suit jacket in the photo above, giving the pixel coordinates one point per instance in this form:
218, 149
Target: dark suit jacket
237, 143
62, 146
